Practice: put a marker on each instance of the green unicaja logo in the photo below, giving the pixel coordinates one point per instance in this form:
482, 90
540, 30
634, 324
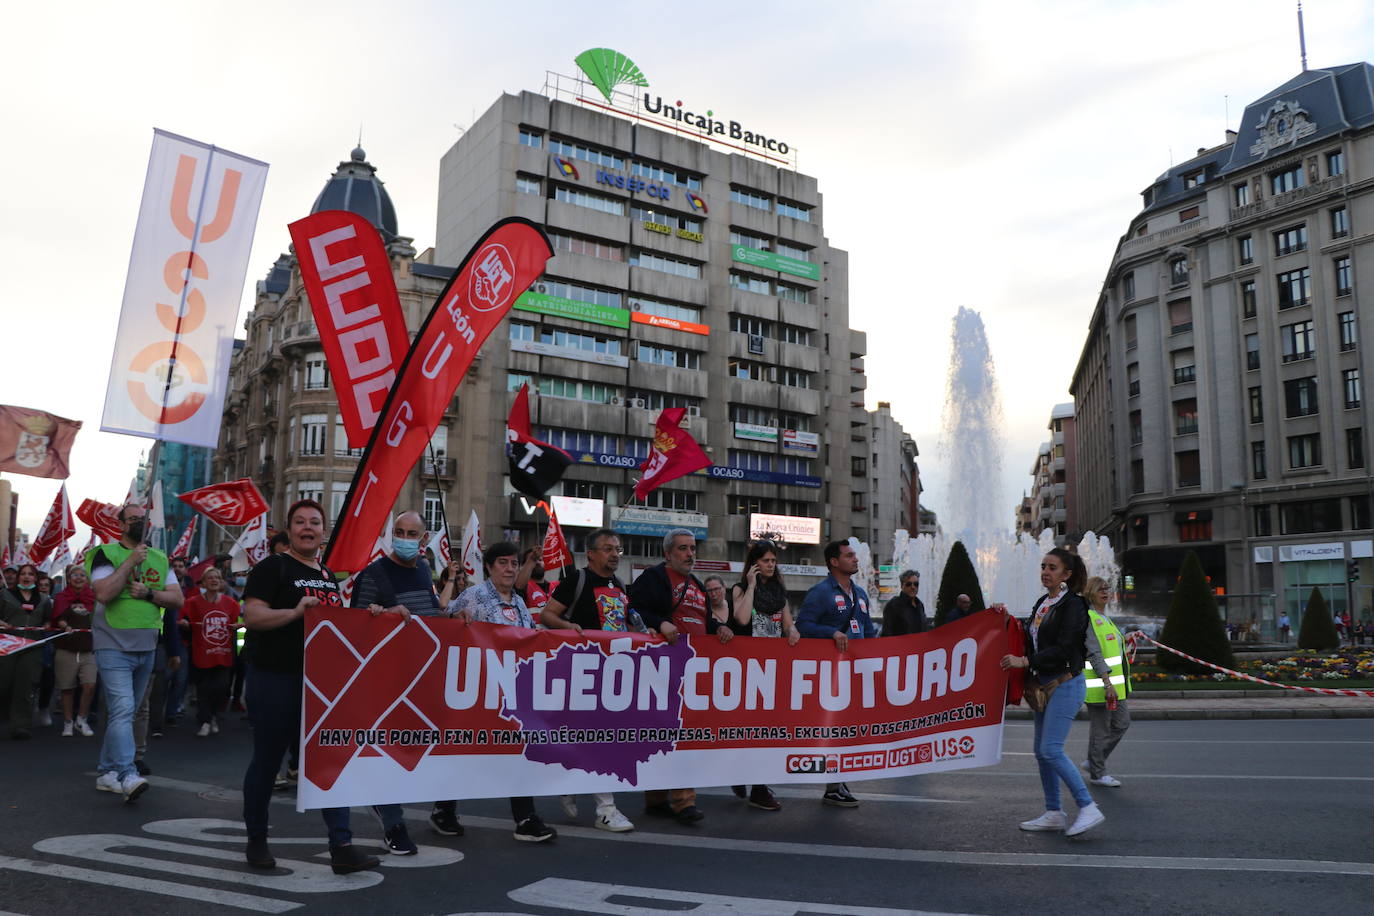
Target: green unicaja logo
607, 69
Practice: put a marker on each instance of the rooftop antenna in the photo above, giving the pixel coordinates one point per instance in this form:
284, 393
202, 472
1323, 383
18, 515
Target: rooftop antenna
1302, 38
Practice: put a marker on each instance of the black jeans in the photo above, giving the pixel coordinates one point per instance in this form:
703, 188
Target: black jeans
212, 687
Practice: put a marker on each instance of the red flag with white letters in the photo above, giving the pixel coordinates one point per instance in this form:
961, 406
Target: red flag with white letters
57, 528
183, 547
236, 502
347, 277
103, 519
556, 554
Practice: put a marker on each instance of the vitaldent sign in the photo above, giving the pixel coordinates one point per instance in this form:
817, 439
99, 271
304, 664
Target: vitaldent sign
607, 69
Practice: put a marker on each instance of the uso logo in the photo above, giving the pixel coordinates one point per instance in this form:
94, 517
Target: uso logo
813, 763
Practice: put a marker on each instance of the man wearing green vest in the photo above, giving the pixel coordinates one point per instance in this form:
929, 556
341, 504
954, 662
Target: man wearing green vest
132, 587
1107, 690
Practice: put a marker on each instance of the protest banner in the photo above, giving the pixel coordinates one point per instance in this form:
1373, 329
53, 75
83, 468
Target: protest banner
438, 708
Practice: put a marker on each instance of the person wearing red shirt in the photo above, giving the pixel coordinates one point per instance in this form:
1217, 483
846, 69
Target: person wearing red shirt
212, 617
74, 660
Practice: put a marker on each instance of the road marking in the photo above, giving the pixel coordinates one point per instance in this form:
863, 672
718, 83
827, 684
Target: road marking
200, 828
590, 897
148, 885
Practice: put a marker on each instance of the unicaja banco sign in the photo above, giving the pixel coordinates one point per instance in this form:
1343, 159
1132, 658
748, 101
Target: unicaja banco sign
607, 69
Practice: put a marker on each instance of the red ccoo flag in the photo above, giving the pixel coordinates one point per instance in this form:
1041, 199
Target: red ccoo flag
57, 528
674, 454
236, 502
556, 554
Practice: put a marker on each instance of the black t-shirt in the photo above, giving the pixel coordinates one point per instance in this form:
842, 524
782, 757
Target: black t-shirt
282, 581
603, 604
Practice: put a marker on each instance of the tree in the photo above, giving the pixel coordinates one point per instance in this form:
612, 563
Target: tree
1318, 630
959, 578
1194, 624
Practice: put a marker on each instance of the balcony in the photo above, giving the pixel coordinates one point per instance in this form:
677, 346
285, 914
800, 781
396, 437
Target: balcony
301, 334
442, 468
1289, 198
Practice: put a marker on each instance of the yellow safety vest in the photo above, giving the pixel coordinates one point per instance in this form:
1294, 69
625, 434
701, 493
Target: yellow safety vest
1113, 646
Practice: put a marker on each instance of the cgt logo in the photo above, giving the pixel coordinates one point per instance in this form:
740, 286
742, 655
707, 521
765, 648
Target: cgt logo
813, 763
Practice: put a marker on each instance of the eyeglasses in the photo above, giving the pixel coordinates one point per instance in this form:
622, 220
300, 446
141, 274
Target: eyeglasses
615, 550
910, 582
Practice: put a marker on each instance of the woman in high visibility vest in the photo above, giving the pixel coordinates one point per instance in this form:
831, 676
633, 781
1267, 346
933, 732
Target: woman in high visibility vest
1107, 690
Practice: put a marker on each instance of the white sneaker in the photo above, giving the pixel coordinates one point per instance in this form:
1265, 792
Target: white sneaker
1089, 816
1106, 779
203, 731
83, 726
608, 817
133, 786
67, 729
569, 805
214, 727
1050, 820
108, 782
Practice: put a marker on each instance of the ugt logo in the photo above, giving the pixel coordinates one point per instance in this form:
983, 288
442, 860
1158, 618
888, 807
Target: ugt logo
492, 279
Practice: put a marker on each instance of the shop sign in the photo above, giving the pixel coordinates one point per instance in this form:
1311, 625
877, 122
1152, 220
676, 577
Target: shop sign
756, 433
769, 260
578, 511
676, 324
1297, 553
656, 522
800, 442
795, 529
563, 307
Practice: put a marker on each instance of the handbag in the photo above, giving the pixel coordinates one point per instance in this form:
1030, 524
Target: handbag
1038, 695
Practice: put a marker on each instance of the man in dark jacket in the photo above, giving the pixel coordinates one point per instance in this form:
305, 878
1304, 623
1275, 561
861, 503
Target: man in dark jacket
904, 613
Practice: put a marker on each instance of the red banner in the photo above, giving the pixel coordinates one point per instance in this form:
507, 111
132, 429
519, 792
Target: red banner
183, 547
674, 454
555, 552
237, 502
35, 442
499, 268
347, 277
103, 519
431, 707
57, 529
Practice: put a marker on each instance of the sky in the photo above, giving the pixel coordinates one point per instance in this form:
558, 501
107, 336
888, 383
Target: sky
985, 154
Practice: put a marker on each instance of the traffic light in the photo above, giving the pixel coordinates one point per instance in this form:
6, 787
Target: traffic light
1352, 571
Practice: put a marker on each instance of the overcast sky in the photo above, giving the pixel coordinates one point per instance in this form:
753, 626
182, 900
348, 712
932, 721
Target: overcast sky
985, 154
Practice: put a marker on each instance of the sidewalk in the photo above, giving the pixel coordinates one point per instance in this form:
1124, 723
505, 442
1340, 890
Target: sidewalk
1234, 704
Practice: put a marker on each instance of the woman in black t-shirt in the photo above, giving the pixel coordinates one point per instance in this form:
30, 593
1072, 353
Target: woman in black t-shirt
280, 590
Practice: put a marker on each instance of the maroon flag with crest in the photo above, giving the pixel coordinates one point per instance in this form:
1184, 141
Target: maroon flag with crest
674, 453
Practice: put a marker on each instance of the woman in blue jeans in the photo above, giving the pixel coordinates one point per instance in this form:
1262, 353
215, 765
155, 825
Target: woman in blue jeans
1057, 632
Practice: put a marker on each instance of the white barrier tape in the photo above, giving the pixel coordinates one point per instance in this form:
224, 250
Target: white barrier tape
1327, 691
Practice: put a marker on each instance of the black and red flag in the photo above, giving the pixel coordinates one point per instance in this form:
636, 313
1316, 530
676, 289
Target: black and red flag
534, 466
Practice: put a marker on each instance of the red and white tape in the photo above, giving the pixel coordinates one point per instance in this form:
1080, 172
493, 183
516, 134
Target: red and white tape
1136, 635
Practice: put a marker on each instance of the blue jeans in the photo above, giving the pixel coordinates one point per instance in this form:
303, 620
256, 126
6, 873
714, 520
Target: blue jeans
274, 709
1051, 731
123, 678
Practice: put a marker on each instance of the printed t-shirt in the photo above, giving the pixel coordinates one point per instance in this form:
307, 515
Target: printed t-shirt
212, 629
689, 603
282, 581
603, 604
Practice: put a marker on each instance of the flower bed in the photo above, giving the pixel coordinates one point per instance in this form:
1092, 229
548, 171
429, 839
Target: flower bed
1303, 665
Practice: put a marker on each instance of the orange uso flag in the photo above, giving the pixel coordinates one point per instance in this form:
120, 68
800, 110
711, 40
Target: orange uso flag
35, 442
674, 454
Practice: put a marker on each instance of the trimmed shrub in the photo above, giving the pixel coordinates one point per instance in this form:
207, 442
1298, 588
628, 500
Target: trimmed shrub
1318, 630
1194, 624
959, 578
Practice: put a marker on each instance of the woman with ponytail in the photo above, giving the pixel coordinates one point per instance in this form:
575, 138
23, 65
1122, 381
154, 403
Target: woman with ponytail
1057, 633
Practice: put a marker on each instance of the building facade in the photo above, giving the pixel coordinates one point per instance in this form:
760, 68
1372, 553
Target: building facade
1227, 343
1052, 501
894, 482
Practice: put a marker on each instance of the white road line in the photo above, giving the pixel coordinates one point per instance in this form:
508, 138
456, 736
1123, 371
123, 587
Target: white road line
148, 885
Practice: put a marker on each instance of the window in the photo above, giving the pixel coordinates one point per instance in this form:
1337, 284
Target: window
1245, 246
638, 545
1137, 431
1252, 352
749, 240
530, 138
1335, 163
1342, 267
747, 324
1240, 193
589, 200
751, 283
1128, 287
665, 309
758, 416
858, 501
1295, 288
1289, 179
586, 153
796, 378
794, 293
1248, 305
316, 372
744, 505
338, 492
1138, 476
1189, 466
1349, 336
1195, 530
657, 400
341, 442
313, 428
1299, 341
750, 461
578, 291
662, 173
575, 390
1340, 223
1185, 369
669, 356
748, 368
649, 214
800, 466
1259, 468
795, 421
1300, 397
858, 466
1189, 213
788, 250
578, 441
591, 247
1131, 339
522, 330
1180, 316
514, 380
667, 265
1350, 384
1193, 179
756, 199
578, 341
1256, 405
1287, 241
1359, 512
1304, 452
1133, 380
529, 185
1185, 416
1354, 448
1263, 521
1178, 272
794, 210
433, 512
1309, 517
310, 489
790, 333
664, 498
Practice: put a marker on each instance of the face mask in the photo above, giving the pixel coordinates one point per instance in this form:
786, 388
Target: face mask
240, 581
136, 530
404, 549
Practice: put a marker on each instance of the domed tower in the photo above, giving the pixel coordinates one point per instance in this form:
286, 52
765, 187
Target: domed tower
355, 187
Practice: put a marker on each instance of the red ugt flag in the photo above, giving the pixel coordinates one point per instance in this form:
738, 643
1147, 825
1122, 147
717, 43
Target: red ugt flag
183, 547
57, 528
556, 554
674, 454
103, 518
35, 442
237, 502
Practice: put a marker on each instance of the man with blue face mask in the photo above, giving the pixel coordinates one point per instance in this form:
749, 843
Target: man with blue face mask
401, 583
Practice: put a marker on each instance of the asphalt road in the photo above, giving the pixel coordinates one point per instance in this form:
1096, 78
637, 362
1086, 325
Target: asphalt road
1213, 817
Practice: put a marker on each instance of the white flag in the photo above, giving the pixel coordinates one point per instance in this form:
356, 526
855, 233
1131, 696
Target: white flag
472, 550
251, 547
190, 254
57, 562
156, 518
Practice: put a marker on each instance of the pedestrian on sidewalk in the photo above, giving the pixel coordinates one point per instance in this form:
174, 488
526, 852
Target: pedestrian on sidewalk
1109, 686
1057, 632
1284, 627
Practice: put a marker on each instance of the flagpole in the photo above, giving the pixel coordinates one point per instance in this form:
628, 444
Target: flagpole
443, 516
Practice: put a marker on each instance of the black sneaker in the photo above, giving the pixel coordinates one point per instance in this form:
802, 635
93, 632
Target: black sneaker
689, 815
738, 790
762, 798
143, 768
534, 830
840, 797
445, 823
347, 859
257, 853
399, 842
662, 809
